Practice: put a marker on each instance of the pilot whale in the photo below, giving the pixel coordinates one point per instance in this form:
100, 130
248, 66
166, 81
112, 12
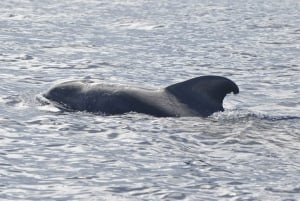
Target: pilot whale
200, 96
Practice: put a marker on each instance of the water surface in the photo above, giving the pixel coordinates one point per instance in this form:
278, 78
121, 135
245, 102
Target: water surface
248, 152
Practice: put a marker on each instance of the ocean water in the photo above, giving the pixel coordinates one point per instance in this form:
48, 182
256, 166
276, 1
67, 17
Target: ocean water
249, 152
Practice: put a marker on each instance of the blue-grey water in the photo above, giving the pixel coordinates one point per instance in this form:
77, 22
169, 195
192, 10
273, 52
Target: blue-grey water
249, 152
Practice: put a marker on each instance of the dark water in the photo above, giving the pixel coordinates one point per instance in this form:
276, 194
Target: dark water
249, 152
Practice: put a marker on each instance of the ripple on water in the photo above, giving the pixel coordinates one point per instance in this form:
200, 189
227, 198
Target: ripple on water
248, 152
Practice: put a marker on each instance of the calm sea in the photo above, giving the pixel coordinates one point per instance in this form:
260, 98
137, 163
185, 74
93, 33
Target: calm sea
249, 152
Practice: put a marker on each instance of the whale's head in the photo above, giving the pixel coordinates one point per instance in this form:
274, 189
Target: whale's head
67, 95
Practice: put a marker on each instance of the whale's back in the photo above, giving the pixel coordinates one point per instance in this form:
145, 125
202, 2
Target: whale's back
200, 96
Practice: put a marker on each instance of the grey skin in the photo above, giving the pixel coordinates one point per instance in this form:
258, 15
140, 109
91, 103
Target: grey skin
199, 96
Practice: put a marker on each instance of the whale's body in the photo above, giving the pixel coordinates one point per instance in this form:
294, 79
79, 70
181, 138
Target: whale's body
199, 96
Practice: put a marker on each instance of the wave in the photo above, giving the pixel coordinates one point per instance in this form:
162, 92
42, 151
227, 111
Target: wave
249, 115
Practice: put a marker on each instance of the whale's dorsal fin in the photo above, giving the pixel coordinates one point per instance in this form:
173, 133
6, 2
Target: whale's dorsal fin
204, 94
